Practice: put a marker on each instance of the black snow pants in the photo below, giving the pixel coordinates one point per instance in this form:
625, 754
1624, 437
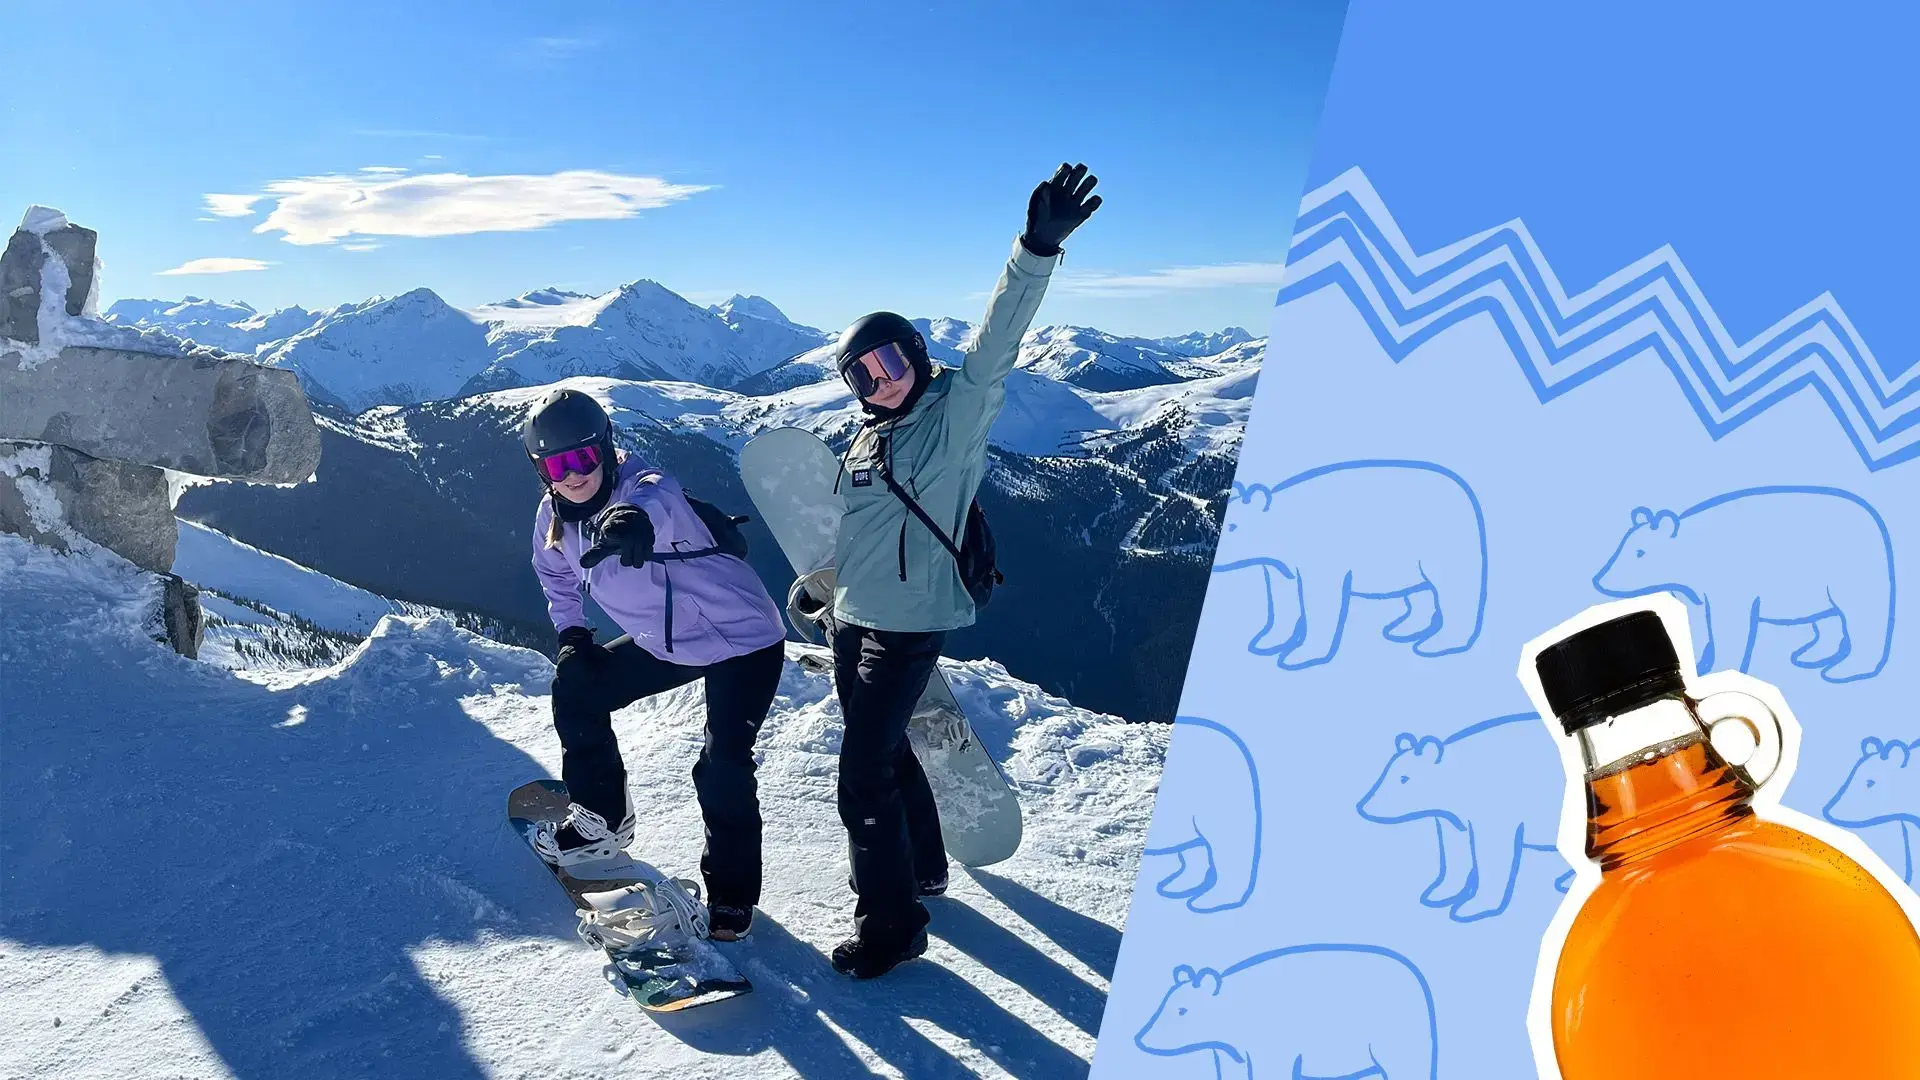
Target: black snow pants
587, 689
893, 827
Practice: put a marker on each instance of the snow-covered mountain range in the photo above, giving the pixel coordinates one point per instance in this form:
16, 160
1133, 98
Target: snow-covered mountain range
416, 347
1111, 460
301, 846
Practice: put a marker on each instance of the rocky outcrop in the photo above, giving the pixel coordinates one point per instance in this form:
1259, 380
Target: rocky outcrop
205, 413
49, 493
20, 271
93, 416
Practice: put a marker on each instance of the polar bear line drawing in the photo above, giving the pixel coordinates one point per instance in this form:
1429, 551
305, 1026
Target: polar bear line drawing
1784, 556
1411, 531
1351, 1012
1493, 791
1214, 840
1883, 788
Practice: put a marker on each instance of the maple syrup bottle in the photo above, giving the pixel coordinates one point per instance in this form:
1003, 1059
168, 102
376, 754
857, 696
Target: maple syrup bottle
1718, 943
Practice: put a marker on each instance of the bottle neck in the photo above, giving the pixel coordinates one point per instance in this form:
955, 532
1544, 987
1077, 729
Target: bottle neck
1654, 780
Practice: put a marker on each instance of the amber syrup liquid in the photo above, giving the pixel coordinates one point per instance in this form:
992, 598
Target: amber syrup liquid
1721, 945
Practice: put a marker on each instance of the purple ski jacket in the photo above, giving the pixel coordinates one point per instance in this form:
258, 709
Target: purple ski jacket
720, 607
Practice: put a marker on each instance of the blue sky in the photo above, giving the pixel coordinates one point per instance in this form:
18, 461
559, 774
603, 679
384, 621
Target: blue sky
835, 158
1767, 151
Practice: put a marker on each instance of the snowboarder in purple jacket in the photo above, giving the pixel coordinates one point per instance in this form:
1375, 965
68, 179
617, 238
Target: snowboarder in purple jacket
625, 533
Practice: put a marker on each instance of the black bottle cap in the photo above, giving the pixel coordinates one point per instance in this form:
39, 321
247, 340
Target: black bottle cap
1605, 670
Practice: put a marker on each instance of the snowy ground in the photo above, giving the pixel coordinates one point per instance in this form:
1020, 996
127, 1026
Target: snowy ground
307, 872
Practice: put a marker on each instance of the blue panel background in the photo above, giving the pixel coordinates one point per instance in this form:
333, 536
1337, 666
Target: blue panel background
1584, 302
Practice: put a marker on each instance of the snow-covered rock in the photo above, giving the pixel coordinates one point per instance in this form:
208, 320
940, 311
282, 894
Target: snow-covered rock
50, 295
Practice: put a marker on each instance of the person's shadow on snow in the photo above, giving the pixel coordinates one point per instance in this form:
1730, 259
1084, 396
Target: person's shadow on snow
798, 1001
279, 853
1086, 939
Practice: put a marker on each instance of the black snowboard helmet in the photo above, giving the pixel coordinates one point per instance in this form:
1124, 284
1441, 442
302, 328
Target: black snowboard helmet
869, 332
565, 420
569, 420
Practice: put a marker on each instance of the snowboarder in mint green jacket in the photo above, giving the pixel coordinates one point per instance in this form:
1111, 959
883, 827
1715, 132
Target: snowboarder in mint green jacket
898, 587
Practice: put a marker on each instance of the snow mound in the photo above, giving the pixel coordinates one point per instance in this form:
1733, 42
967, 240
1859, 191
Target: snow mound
213, 560
327, 886
426, 656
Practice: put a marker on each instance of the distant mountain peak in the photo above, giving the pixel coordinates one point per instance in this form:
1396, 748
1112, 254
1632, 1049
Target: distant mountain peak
422, 295
547, 297
757, 307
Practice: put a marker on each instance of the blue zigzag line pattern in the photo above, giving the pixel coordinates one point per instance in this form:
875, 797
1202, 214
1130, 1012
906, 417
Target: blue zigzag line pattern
1345, 238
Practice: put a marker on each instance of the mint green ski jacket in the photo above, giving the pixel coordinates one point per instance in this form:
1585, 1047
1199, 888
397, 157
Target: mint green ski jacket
891, 573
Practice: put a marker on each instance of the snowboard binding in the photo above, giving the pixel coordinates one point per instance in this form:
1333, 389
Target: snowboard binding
810, 605
642, 914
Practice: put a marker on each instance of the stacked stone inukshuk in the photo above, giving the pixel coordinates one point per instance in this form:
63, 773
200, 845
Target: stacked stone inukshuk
92, 413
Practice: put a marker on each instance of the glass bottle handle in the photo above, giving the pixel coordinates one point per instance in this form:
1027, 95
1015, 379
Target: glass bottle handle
1757, 719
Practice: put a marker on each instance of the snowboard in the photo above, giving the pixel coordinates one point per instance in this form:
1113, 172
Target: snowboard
668, 978
789, 474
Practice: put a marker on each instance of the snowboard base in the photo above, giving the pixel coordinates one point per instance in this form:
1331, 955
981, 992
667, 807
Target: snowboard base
666, 978
790, 474
980, 820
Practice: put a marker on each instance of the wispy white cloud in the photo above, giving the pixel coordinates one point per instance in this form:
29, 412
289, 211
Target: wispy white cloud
231, 205
561, 48
220, 265
382, 170
326, 209
360, 247
1172, 279
419, 133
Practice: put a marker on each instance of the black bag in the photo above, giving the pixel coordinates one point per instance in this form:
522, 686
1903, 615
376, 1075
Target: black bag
975, 555
727, 540
725, 527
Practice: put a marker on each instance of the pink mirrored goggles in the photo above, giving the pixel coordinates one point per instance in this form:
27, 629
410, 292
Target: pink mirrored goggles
582, 460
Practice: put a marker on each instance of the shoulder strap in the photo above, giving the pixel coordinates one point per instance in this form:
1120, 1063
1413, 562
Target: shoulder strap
886, 474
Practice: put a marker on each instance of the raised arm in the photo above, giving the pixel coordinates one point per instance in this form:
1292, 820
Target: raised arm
1056, 208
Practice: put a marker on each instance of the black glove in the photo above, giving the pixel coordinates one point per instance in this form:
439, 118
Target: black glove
1057, 207
577, 641
622, 528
